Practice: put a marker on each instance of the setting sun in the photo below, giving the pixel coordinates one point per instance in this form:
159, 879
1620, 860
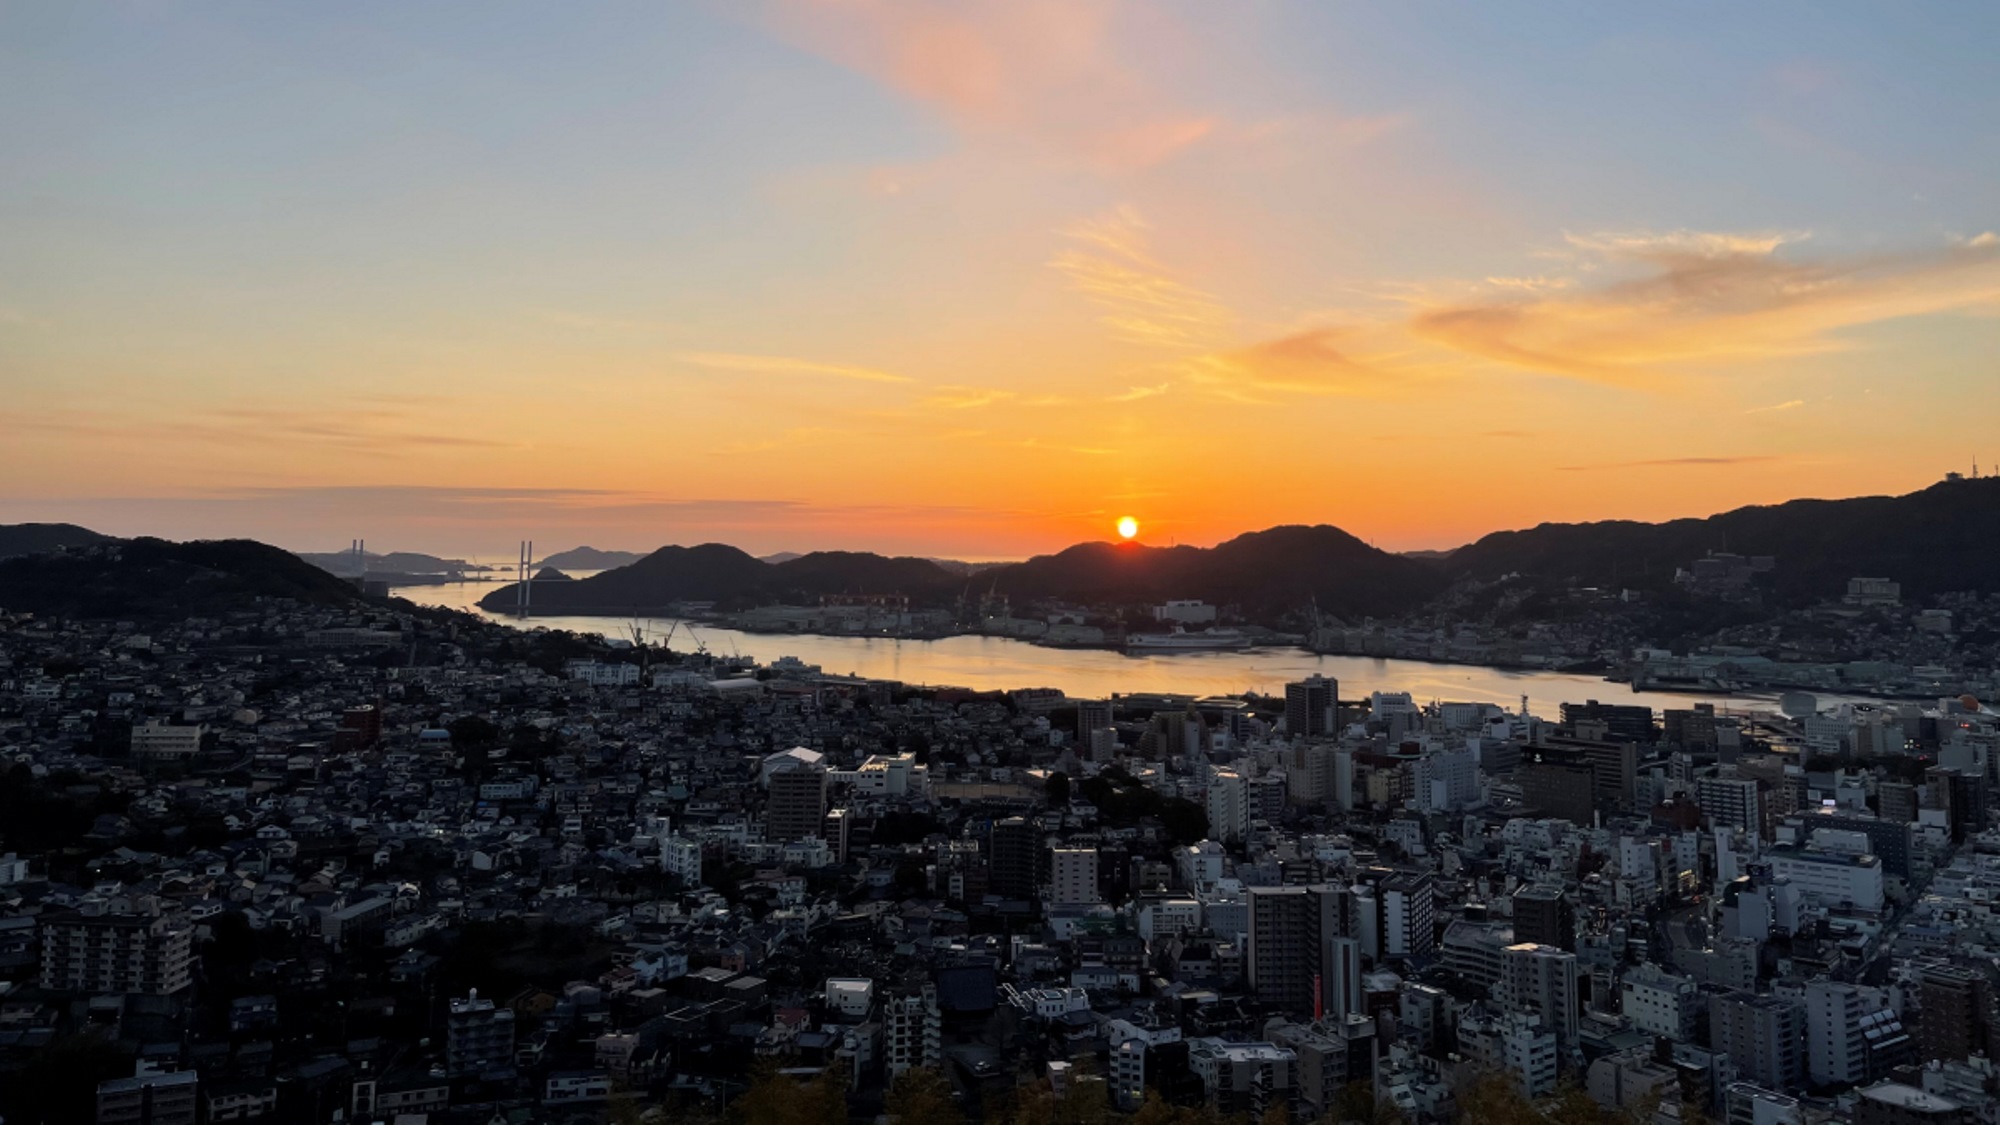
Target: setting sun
1128, 527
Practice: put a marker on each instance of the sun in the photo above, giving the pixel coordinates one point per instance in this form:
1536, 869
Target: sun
1128, 528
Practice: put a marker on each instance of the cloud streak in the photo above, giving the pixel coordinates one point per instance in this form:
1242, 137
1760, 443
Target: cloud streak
1702, 299
782, 365
1673, 463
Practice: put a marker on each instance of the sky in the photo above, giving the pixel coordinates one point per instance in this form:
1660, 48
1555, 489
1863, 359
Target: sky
976, 279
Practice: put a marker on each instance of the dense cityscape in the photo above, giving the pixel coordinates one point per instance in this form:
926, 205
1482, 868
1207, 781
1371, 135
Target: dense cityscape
370, 862
999, 562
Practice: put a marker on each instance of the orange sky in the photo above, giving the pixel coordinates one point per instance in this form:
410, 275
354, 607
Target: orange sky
976, 279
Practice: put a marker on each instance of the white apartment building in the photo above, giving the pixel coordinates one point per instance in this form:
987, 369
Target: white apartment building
161, 741
1073, 875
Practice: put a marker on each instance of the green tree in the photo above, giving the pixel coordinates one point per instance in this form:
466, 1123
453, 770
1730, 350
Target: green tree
922, 1096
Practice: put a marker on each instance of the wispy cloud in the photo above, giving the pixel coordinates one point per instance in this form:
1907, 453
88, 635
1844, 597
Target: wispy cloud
1673, 463
1788, 404
374, 430
782, 365
968, 398
1704, 298
1134, 394
1144, 303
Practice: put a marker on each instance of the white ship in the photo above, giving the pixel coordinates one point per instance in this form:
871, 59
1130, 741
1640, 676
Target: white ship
1180, 640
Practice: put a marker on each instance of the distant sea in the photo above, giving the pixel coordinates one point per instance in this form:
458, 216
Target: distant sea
1000, 663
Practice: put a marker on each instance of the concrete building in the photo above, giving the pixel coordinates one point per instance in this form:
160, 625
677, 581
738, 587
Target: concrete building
1893, 1103
1543, 916
1954, 1003
1764, 1036
1228, 801
1832, 880
795, 807
164, 742
1541, 980
478, 1036
1073, 875
1311, 707
1660, 1003
913, 1033
1836, 1047
130, 950
1016, 858
150, 1099
1243, 1077
1290, 952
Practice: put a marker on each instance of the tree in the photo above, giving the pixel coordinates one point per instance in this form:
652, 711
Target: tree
922, 1096
776, 1098
1056, 789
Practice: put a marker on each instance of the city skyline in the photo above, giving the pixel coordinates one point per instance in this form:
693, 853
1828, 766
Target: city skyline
978, 280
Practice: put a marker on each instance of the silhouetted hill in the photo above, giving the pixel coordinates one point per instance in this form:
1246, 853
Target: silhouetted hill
1943, 538
34, 538
1265, 572
719, 573
395, 562
152, 578
590, 558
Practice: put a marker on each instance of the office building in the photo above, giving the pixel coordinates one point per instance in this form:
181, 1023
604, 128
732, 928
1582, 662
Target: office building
1764, 1036
1228, 801
1016, 859
1623, 722
1541, 981
1954, 1003
1730, 802
795, 807
1543, 916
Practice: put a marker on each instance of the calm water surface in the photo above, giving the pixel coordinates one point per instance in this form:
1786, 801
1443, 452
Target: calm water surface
988, 663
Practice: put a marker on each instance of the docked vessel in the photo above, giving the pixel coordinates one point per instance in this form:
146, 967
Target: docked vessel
1180, 640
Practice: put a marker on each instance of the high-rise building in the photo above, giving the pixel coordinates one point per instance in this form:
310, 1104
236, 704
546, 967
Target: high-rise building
1836, 1047
1558, 783
1763, 1035
134, 949
1228, 801
1092, 715
478, 1036
1625, 722
1296, 954
795, 807
1015, 859
1543, 916
1541, 980
1898, 801
1954, 1020
1730, 802
913, 1031
1073, 875
1312, 707
1408, 906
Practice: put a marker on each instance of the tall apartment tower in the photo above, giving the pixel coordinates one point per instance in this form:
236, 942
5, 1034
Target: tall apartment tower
1299, 958
1092, 715
1543, 916
1954, 1003
1311, 706
1541, 980
796, 804
1015, 862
